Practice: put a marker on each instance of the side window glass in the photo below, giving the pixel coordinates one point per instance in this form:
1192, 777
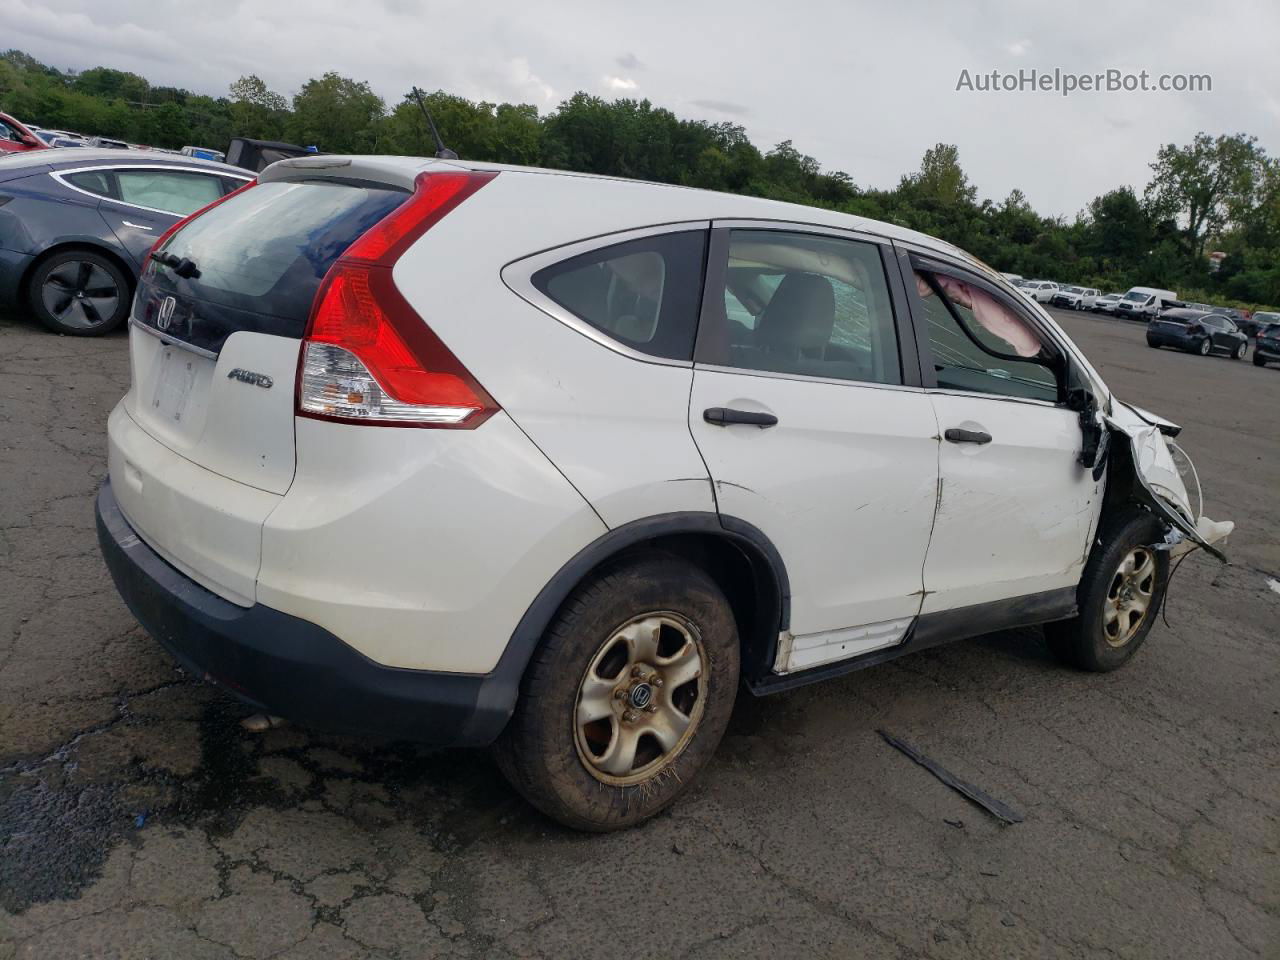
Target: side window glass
810, 305
170, 191
643, 293
94, 181
980, 344
7, 132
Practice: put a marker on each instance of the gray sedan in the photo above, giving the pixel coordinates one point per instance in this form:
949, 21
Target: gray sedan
76, 227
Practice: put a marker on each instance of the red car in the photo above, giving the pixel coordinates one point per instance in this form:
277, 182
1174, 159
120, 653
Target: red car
15, 138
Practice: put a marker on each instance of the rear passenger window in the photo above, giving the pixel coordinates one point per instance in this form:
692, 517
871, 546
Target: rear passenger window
643, 293
170, 191
806, 304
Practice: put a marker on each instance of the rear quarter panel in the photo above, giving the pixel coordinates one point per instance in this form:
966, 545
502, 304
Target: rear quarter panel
615, 426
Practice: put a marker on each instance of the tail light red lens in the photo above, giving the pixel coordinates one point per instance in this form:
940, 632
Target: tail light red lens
367, 356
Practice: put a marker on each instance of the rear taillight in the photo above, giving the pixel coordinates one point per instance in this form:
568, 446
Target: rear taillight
148, 265
367, 356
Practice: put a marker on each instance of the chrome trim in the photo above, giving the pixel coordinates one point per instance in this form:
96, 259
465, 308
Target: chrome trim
1002, 397
136, 226
137, 165
518, 278
798, 226
804, 378
169, 341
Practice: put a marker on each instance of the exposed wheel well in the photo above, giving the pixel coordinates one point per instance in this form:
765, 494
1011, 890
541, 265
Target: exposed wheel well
749, 582
106, 252
741, 560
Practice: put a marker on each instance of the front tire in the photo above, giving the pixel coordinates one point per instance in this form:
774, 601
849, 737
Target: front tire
1120, 591
1241, 350
79, 293
627, 697
1257, 360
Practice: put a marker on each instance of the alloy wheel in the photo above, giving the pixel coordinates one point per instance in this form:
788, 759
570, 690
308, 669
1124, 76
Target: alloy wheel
1129, 596
1204, 347
641, 698
80, 294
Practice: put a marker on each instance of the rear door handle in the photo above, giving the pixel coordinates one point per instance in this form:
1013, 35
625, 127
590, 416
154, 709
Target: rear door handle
957, 435
723, 416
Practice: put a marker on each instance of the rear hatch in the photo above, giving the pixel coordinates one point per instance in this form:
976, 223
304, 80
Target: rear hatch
214, 346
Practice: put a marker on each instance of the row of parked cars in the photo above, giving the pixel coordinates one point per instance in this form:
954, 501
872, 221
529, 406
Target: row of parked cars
18, 137
1196, 327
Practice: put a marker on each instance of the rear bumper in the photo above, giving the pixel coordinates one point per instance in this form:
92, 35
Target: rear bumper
290, 667
1164, 339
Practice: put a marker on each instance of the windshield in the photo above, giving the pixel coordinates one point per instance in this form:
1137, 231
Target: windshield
1074, 289
1137, 297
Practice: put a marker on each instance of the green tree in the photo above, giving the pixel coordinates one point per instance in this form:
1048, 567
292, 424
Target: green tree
336, 113
1207, 184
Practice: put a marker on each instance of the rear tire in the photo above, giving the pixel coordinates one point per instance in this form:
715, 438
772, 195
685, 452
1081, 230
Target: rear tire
79, 293
1203, 347
1119, 594
627, 697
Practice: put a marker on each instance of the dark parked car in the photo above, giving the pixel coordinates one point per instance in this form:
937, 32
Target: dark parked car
76, 226
1197, 332
1267, 346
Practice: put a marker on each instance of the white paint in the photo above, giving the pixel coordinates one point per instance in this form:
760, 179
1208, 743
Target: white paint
1274, 584
1015, 514
420, 548
844, 486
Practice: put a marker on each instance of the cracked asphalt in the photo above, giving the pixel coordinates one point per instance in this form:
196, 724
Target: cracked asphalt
137, 819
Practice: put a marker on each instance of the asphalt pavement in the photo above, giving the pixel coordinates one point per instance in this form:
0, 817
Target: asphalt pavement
137, 819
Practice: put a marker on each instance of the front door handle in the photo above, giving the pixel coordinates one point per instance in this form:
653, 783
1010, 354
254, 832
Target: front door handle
957, 435
723, 416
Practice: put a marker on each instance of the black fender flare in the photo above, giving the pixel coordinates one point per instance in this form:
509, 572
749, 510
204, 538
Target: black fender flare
500, 688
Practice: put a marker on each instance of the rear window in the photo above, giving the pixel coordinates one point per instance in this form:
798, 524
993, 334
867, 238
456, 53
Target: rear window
261, 256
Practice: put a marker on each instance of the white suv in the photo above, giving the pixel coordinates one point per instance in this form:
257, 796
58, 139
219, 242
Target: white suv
481, 455
1042, 291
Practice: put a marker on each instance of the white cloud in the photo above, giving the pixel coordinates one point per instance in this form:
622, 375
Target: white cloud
619, 83
1018, 48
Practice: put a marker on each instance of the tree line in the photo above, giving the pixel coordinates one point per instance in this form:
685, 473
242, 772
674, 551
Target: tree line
1217, 194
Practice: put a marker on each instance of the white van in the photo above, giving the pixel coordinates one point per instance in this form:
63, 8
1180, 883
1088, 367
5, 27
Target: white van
1143, 303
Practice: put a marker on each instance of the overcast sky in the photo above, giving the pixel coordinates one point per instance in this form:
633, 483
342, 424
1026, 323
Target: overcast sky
863, 87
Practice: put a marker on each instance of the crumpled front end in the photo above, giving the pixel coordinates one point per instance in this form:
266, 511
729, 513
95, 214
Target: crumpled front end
1156, 481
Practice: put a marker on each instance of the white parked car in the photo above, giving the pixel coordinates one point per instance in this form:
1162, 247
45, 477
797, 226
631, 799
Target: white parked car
1074, 298
1041, 291
481, 455
1106, 303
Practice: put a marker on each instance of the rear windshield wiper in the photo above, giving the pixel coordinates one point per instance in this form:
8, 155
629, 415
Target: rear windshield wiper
182, 266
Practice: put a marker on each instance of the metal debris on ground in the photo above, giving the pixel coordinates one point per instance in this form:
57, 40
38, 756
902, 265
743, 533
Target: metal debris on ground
981, 798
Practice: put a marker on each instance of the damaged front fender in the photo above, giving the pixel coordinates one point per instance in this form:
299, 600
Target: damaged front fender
1155, 480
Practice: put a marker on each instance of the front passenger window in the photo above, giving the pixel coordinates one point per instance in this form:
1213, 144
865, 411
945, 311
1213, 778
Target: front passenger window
980, 344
